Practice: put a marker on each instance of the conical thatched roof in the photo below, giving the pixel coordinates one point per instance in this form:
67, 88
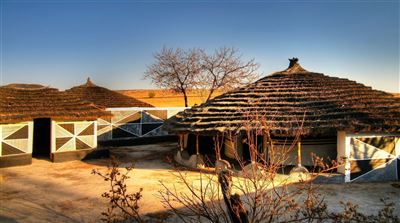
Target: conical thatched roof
286, 98
104, 97
24, 102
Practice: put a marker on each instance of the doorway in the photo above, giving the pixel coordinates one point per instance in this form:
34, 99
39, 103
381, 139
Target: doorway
41, 138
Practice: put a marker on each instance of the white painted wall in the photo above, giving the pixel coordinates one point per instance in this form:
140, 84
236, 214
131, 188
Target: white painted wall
25, 145
91, 140
347, 151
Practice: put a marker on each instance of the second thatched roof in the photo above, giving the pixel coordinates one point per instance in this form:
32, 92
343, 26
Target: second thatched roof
295, 101
104, 97
25, 102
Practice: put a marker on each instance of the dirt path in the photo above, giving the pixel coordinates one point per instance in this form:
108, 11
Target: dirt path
68, 192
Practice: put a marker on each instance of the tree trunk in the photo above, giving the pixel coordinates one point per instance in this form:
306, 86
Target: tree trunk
210, 94
236, 209
185, 98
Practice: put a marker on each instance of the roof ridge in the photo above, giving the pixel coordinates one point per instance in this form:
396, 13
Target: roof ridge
27, 87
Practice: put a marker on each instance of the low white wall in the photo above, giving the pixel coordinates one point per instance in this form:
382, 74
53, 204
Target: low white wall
135, 122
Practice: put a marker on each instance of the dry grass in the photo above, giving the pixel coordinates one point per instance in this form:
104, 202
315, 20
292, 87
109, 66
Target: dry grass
68, 192
167, 98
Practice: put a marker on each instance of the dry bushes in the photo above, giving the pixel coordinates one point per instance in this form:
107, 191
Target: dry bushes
256, 193
122, 206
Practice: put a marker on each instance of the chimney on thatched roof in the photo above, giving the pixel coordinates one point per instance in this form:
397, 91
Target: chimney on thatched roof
286, 98
104, 97
294, 67
89, 83
293, 62
25, 102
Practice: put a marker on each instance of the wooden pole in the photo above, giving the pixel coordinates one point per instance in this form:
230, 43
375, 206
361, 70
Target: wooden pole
299, 153
181, 141
271, 153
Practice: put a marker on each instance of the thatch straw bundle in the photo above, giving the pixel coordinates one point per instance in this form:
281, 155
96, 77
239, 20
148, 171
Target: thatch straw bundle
24, 102
104, 97
294, 100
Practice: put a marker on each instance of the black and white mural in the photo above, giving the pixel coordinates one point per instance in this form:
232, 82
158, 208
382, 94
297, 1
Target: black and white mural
134, 122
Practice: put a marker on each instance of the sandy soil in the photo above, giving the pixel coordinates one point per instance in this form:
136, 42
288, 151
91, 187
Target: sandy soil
166, 98
68, 192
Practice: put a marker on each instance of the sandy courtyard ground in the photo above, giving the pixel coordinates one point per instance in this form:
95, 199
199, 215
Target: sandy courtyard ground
68, 192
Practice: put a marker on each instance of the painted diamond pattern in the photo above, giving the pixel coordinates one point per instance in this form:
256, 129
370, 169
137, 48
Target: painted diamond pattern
131, 128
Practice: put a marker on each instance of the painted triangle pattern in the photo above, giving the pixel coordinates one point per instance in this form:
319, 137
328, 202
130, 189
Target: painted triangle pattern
89, 130
21, 133
103, 129
172, 113
134, 123
101, 121
75, 136
131, 118
21, 144
14, 139
156, 132
386, 143
88, 140
381, 170
131, 128
368, 162
147, 128
118, 116
149, 118
81, 145
69, 127
100, 127
60, 142
8, 130
160, 114
68, 146
60, 131
9, 150
362, 150
80, 126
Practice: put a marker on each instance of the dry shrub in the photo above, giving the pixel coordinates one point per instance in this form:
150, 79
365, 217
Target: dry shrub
259, 193
122, 205
151, 94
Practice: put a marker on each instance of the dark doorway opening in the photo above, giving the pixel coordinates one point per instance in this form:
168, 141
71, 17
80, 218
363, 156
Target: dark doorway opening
206, 148
41, 138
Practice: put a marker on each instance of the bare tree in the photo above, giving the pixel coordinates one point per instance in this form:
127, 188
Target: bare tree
181, 70
175, 69
226, 70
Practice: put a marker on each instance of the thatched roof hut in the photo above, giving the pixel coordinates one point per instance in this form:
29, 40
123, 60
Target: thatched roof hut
286, 98
25, 102
104, 97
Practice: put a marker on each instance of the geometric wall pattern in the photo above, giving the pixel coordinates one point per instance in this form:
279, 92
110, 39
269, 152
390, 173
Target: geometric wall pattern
132, 123
71, 136
14, 139
375, 157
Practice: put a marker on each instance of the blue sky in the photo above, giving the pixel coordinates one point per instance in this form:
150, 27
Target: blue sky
61, 43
